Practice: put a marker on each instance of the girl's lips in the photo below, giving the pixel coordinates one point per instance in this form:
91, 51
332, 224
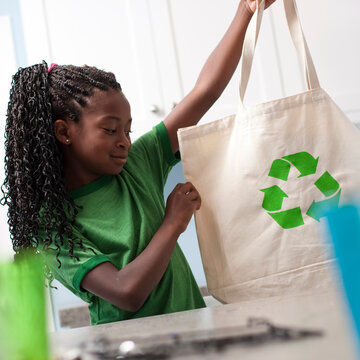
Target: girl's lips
121, 159
119, 156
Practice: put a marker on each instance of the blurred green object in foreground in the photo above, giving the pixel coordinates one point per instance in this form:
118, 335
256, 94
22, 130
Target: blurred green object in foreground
23, 333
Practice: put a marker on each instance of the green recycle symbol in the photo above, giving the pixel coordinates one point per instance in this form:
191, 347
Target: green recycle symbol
274, 196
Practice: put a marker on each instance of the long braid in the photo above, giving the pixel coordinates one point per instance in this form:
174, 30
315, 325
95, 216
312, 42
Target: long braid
34, 176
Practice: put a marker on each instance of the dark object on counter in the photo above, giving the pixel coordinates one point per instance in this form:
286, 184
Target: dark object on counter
256, 332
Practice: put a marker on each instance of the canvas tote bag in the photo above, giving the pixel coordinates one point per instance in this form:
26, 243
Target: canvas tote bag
265, 175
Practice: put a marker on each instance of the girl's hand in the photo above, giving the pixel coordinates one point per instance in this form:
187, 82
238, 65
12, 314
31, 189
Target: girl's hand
251, 5
181, 204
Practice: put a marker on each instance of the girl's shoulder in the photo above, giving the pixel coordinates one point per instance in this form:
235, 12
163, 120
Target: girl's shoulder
154, 146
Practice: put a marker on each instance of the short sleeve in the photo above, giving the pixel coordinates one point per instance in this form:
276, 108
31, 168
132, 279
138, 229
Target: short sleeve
151, 156
171, 158
70, 271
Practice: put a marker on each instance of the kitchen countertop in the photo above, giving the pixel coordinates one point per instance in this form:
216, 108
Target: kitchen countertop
322, 311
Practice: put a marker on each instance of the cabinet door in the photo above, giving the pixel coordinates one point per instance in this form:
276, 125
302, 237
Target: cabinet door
331, 30
334, 39
113, 35
198, 26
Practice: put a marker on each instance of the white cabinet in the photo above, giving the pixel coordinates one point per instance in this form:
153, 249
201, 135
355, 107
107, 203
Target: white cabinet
100, 34
331, 30
197, 26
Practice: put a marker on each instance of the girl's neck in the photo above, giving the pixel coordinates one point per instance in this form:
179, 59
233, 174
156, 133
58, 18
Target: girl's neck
75, 180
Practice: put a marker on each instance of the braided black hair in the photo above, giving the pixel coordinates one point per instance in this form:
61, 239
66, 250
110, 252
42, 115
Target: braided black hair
40, 211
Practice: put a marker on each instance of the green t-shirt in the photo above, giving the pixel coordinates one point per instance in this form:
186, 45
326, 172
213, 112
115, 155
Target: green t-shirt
119, 216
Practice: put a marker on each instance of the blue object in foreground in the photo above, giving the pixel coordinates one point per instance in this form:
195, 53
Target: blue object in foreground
344, 226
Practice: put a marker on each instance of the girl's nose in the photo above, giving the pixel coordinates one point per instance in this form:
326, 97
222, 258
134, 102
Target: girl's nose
123, 141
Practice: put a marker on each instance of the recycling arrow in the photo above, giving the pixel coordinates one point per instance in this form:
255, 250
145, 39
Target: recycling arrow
288, 219
327, 184
273, 198
304, 162
280, 169
318, 208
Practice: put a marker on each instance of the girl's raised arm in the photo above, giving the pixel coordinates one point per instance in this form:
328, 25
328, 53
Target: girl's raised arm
214, 76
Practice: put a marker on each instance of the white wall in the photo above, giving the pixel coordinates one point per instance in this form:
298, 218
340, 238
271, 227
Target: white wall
7, 69
332, 29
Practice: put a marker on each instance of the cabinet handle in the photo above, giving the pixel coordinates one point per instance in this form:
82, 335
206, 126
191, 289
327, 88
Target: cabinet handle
154, 109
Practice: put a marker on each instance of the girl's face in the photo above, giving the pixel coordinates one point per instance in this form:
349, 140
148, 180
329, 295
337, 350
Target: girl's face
100, 141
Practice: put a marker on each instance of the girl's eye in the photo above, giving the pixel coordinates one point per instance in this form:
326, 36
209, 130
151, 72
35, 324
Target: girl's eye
110, 131
127, 133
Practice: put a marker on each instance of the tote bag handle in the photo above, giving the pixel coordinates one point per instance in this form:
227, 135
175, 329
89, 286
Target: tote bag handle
298, 39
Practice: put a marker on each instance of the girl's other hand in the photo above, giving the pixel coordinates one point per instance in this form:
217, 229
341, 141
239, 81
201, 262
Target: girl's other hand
181, 204
251, 5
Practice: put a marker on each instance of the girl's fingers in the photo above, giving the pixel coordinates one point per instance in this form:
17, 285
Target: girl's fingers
268, 3
192, 195
189, 191
197, 203
178, 186
188, 187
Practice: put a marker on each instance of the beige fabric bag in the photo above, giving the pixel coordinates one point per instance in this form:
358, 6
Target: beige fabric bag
265, 175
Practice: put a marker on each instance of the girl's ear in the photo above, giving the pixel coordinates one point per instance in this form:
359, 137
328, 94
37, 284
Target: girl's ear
62, 131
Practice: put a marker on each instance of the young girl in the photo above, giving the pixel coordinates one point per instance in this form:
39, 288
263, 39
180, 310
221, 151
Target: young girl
89, 200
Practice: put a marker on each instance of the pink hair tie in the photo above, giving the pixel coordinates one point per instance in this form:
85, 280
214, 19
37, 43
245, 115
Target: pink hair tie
52, 66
